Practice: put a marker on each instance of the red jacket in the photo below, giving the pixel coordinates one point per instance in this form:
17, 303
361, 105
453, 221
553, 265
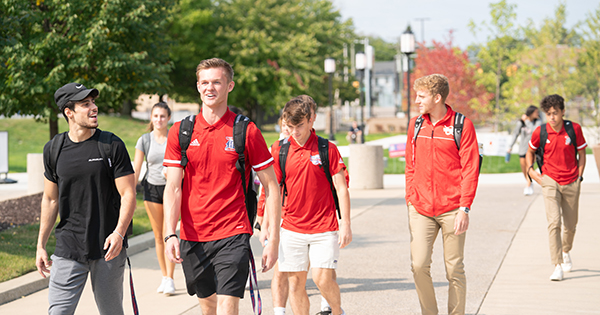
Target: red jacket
439, 178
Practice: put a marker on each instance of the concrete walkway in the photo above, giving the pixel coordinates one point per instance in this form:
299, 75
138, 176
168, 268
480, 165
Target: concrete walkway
507, 261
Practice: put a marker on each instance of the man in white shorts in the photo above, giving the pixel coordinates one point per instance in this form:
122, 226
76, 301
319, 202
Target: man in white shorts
310, 233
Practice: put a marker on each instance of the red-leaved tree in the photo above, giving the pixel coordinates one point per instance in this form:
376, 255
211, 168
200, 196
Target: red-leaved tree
466, 96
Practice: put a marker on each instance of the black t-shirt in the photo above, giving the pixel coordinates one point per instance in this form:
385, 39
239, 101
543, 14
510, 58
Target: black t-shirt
88, 202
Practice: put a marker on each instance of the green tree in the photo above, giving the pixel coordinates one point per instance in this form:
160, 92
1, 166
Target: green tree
498, 52
117, 47
384, 51
588, 65
276, 47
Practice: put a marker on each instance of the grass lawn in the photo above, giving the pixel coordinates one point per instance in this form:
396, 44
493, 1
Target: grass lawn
18, 245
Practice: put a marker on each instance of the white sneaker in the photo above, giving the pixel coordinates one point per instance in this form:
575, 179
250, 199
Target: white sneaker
169, 286
567, 264
528, 191
557, 275
161, 287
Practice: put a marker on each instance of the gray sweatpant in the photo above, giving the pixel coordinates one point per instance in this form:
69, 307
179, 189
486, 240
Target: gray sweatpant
68, 277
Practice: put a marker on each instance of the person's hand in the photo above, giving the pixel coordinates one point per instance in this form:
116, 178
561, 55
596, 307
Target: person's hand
344, 235
42, 262
172, 250
461, 222
269, 255
524, 117
535, 175
114, 244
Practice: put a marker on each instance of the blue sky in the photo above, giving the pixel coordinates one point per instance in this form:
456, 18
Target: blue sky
389, 18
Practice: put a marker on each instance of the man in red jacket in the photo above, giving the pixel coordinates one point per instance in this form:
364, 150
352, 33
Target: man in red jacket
441, 181
561, 181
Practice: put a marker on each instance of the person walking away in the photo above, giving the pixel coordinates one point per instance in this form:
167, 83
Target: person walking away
94, 192
561, 177
152, 146
208, 195
441, 182
524, 128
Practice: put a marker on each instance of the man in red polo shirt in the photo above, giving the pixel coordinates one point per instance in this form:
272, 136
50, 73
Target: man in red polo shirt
561, 179
441, 182
215, 229
310, 233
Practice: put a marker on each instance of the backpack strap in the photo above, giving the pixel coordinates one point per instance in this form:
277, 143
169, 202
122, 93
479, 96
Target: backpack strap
186, 128
104, 147
55, 147
418, 124
571, 132
323, 145
459, 120
146, 144
240, 127
539, 153
284, 147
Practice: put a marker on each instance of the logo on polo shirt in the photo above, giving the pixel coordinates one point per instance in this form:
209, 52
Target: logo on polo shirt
315, 159
567, 140
229, 145
341, 161
448, 130
195, 143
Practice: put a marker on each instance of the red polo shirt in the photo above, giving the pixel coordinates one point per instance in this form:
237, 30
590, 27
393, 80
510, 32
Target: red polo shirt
309, 207
560, 160
212, 205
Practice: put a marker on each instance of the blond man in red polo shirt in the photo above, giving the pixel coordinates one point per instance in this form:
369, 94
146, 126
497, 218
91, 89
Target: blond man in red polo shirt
441, 182
561, 179
215, 230
310, 232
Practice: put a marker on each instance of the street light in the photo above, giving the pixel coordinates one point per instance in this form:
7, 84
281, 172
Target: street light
330, 68
407, 47
361, 64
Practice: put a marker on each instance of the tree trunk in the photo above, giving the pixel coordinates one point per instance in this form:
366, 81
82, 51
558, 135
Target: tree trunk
53, 121
127, 108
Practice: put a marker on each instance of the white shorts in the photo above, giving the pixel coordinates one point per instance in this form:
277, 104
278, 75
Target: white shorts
297, 249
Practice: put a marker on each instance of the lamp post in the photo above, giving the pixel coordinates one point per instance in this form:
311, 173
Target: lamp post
330, 69
407, 47
361, 63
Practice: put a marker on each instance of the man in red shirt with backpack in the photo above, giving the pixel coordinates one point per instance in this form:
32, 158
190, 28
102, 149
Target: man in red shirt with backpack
442, 171
560, 179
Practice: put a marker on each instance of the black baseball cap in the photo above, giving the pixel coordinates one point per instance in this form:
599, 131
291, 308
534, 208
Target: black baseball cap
72, 92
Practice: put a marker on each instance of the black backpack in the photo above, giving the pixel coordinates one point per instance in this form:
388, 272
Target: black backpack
539, 153
323, 145
104, 146
240, 125
459, 120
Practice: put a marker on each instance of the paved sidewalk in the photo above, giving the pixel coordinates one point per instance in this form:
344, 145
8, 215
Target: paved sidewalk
507, 261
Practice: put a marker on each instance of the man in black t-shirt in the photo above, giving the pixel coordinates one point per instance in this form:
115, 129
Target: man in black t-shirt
95, 200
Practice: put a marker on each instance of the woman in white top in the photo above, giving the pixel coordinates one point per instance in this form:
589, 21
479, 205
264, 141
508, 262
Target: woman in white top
524, 128
152, 145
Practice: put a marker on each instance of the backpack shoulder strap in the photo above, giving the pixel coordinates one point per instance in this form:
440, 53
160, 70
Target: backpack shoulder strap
323, 145
284, 147
55, 147
418, 124
543, 137
104, 146
239, 142
146, 143
186, 128
571, 132
459, 120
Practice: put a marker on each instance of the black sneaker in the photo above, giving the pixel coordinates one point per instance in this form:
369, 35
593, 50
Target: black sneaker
324, 313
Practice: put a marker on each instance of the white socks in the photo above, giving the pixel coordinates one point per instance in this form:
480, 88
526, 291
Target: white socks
324, 305
279, 310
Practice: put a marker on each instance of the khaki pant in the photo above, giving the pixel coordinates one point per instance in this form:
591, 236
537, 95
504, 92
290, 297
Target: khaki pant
423, 232
561, 201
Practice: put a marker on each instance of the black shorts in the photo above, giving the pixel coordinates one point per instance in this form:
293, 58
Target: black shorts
216, 267
153, 193
522, 156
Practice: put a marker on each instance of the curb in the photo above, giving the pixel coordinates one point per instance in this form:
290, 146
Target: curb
32, 282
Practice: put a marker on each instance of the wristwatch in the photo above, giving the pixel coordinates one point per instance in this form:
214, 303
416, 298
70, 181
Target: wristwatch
465, 209
169, 236
580, 178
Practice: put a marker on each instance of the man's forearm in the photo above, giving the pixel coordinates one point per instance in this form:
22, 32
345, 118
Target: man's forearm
128, 204
48, 217
273, 210
172, 208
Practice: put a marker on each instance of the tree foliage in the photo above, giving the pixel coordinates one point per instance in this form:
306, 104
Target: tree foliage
588, 66
466, 94
276, 47
114, 46
384, 51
